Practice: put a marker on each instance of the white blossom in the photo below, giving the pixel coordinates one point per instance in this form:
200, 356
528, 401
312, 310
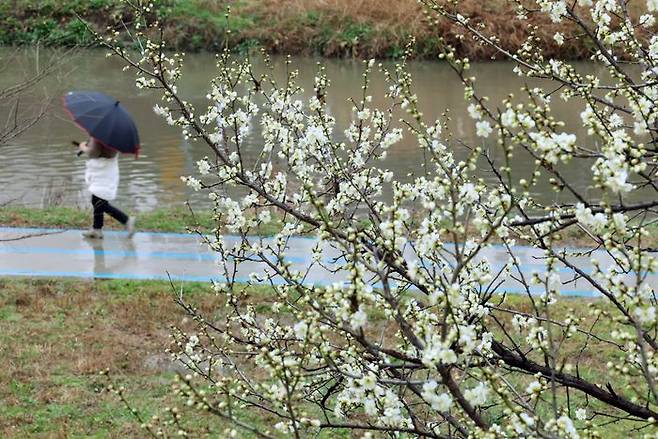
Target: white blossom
565, 425
441, 402
559, 38
478, 395
359, 319
652, 5
192, 183
300, 329
474, 112
556, 9
204, 166
483, 128
646, 315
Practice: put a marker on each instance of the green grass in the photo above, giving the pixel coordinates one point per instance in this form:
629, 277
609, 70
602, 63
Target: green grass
55, 335
54, 338
592, 363
50, 22
164, 220
178, 220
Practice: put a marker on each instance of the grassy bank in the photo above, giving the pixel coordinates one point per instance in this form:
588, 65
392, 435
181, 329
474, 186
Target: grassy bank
177, 220
335, 28
55, 335
159, 220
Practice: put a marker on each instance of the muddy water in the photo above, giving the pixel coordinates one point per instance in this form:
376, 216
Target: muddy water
40, 169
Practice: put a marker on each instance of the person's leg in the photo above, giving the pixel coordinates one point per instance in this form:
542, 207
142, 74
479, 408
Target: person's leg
100, 206
96, 231
119, 215
116, 213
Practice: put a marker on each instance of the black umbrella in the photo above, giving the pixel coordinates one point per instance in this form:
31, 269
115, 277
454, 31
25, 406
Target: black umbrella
104, 118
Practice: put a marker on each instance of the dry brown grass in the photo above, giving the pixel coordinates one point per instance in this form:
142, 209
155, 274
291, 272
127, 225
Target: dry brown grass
55, 336
103, 331
387, 26
404, 14
359, 28
346, 28
366, 28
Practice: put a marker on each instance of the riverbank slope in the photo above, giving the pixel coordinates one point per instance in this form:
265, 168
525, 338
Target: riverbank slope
337, 28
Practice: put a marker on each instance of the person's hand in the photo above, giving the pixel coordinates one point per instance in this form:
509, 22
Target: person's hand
82, 148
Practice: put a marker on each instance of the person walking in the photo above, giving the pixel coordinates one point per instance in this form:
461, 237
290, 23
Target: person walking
111, 130
102, 178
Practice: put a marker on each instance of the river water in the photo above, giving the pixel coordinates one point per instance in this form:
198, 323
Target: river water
40, 169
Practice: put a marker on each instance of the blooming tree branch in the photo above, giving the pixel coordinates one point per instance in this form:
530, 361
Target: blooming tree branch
415, 331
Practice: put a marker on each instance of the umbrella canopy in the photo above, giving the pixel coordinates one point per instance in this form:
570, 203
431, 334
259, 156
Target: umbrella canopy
104, 118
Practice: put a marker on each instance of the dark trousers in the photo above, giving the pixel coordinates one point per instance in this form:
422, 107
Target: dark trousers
101, 207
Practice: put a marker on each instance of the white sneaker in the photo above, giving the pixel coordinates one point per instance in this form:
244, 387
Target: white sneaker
93, 234
130, 226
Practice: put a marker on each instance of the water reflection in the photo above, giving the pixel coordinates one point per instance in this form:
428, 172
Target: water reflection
110, 258
41, 165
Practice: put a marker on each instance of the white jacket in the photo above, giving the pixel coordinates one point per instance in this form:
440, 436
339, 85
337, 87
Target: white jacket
102, 177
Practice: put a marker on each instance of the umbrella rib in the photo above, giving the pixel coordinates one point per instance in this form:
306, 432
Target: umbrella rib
91, 128
87, 114
111, 126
